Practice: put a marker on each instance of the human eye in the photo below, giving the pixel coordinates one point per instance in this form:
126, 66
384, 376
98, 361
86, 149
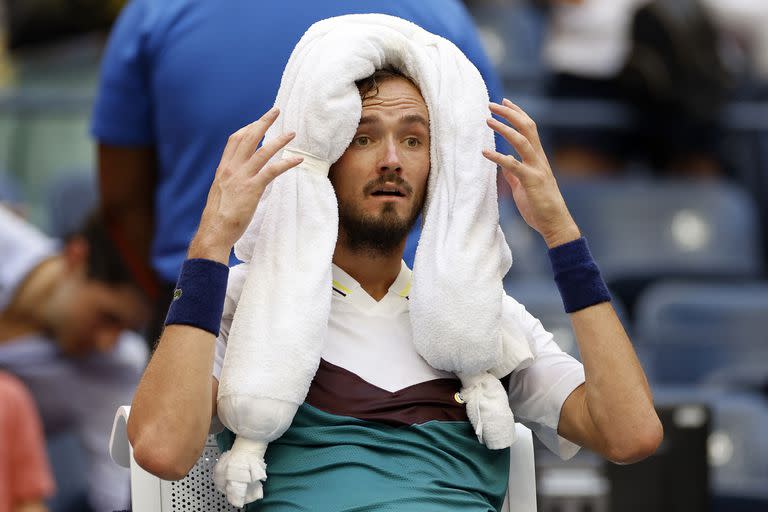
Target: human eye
362, 140
412, 142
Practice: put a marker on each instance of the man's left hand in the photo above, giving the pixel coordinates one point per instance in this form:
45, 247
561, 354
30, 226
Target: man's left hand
533, 184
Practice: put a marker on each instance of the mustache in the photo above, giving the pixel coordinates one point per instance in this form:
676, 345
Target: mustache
389, 178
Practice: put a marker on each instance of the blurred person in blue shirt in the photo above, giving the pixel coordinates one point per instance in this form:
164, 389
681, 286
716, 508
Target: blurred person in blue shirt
178, 77
64, 311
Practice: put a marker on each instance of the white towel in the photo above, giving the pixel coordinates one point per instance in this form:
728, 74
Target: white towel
281, 319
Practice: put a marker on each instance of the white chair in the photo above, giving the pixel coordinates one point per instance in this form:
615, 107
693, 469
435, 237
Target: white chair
196, 492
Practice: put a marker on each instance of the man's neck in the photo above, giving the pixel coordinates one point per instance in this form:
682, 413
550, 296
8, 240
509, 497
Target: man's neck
375, 272
25, 312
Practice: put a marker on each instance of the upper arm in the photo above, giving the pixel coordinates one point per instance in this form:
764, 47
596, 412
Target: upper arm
576, 424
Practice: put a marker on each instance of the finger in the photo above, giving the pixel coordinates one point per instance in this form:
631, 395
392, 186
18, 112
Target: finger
512, 180
507, 103
253, 133
275, 169
519, 119
518, 141
507, 162
232, 143
269, 149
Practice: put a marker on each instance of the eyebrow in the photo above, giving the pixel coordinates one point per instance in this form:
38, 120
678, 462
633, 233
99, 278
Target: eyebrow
406, 119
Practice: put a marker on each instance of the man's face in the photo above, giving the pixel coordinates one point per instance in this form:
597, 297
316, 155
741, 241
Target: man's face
381, 179
92, 315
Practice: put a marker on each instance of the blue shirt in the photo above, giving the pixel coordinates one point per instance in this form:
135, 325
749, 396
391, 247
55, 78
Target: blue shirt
182, 75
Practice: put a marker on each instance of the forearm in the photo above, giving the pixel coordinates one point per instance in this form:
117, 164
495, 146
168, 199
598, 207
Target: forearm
127, 180
172, 408
616, 395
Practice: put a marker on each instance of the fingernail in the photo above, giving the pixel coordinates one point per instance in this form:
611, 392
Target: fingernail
290, 135
274, 111
505, 100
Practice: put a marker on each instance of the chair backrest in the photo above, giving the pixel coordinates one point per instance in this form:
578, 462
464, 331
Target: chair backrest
687, 331
196, 491
737, 446
643, 228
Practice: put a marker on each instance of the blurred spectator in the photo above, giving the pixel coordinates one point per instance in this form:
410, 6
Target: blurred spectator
63, 311
25, 476
662, 58
178, 78
744, 22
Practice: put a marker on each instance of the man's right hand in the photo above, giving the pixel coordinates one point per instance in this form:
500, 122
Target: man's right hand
240, 181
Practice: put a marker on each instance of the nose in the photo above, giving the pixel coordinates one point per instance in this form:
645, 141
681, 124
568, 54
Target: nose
390, 159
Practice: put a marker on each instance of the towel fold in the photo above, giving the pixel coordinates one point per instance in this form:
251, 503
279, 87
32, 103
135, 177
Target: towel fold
457, 298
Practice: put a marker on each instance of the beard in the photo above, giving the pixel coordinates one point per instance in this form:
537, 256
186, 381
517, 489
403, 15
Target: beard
376, 234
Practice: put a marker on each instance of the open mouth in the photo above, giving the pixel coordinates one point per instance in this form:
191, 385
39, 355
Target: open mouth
388, 192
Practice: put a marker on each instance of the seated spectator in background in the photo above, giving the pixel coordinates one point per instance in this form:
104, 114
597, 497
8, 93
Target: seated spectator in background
662, 58
25, 477
64, 309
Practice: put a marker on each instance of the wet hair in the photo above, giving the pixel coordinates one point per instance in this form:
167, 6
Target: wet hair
369, 86
105, 264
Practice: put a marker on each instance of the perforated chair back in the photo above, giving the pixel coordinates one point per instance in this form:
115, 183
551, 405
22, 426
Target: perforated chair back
149, 493
687, 331
197, 493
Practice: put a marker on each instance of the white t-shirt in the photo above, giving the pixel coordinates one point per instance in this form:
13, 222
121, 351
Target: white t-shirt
374, 341
22, 248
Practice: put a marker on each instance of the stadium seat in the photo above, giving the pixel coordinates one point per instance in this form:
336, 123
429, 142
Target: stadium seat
641, 231
687, 331
641, 228
195, 492
529, 252
541, 298
737, 448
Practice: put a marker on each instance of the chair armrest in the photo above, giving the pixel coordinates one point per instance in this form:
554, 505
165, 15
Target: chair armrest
119, 447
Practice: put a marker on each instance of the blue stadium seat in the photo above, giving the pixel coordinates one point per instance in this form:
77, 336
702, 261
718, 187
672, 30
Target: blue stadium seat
542, 299
737, 447
529, 252
686, 331
645, 229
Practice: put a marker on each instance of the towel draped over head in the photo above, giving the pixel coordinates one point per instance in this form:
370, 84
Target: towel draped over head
457, 298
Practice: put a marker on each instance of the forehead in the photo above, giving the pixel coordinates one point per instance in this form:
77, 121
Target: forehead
395, 95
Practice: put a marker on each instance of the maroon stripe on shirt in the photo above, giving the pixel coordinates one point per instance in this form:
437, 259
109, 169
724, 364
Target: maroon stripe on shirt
336, 390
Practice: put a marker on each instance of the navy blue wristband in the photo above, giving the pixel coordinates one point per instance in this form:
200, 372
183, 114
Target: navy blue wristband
198, 299
577, 276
